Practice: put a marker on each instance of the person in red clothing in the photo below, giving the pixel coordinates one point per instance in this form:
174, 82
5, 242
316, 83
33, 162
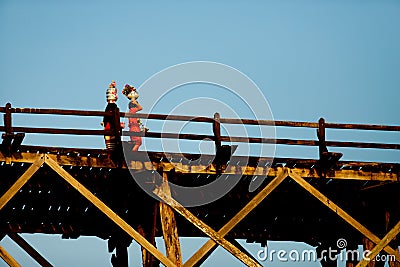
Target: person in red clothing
134, 125
108, 122
134, 107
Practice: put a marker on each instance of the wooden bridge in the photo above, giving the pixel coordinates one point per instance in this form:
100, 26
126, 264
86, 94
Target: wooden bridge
90, 192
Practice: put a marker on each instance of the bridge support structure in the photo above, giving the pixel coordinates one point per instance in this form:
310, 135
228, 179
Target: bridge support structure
169, 207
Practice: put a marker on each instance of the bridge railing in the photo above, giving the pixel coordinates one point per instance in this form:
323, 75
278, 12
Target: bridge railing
8, 129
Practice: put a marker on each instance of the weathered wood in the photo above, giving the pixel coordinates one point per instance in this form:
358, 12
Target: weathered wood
202, 252
279, 141
368, 245
270, 122
217, 130
340, 212
29, 249
354, 126
148, 259
168, 225
311, 124
205, 119
394, 263
8, 110
359, 170
167, 117
21, 181
68, 112
206, 229
108, 212
378, 248
62, 131
8, 119
8, 258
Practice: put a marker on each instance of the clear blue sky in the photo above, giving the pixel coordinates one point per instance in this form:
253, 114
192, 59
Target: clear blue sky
334, 59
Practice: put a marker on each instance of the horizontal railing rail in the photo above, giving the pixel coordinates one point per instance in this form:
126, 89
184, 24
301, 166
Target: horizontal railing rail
9, 128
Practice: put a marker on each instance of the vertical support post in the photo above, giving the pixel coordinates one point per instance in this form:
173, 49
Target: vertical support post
168, 224
326, 159
321, 137
8, 135
395, 263
368, 245
117, 154
117, 124
223, 153
148, 260
217, 131
8, 119
121, 255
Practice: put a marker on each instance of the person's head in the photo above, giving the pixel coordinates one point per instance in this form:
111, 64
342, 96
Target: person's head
130, 92
113, 84
112, 95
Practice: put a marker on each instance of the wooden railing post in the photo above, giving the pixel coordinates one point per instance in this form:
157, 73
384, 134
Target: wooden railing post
217, 130
168, 225
326, 159
321, 137
8, 135
117, 124
8, 119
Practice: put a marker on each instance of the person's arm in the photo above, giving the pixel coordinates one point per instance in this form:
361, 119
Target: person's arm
138, 106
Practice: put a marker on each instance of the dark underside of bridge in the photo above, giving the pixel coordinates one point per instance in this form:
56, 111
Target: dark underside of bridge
48, 204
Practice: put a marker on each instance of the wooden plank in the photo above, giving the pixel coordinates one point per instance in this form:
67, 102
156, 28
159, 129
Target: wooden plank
340, 212
270, 122
257, 140
354, 126
108, 212
207, 119
8, 258
368, 171
29, 249
168, 225
382, 244
21, 181
60, 112
206, 229
61, 131
167, 117
210, 244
